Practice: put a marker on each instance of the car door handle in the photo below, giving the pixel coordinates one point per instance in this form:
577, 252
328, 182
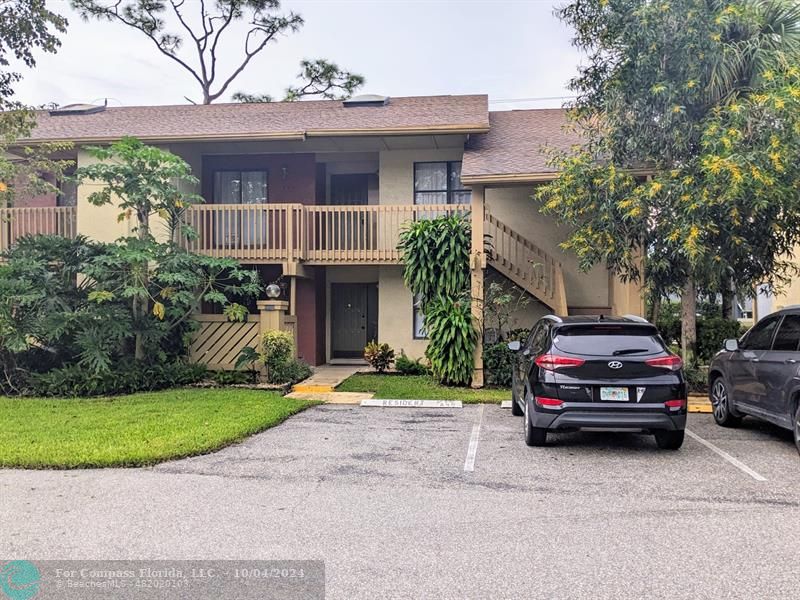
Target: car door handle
755, 360
790, 361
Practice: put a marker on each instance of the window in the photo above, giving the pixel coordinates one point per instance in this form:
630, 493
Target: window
67, 189
419, 320
608, 340
788, 336
439, 183
240, 187
760, 336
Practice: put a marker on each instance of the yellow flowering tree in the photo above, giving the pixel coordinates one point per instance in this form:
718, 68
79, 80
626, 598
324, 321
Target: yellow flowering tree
666, 167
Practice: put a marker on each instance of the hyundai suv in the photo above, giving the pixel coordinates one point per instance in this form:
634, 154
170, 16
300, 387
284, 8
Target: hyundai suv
598, 372
759, 375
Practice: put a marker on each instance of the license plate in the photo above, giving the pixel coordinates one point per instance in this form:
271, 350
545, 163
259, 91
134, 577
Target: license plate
614, 394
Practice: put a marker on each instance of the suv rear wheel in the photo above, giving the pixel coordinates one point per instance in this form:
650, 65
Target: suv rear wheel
669, 440
534, 436
721, 403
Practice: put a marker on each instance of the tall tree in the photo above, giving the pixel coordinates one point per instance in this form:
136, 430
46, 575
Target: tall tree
144, 181
26, 26
203, 25
651, 100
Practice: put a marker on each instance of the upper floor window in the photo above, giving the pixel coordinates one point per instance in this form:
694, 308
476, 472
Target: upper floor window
439, 183
240, 187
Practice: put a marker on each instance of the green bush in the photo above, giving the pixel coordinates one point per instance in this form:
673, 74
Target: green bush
277, 347
125, 377
498, 364
712, 332
452, 339
696, 380
379, 356
289, 372
407, 366
520, 334
233, 377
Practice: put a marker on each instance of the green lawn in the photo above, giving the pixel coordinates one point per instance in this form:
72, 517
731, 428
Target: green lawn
140, 429
418, 387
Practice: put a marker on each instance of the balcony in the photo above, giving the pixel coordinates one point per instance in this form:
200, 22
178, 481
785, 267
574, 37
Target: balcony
19, 222
313, 234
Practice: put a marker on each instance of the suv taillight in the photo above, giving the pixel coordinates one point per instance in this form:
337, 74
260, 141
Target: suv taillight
551, 362
671, 363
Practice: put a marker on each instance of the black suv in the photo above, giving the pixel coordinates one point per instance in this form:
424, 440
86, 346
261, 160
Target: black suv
598, 372
759, 375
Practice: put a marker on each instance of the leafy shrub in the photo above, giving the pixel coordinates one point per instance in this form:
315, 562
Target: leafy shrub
669, 322
498, 364
436, 256
233, 377
379, 356
452, 340
277, 348
125, 377
696, 380
289, 372
407, 366
712, 332
520, 334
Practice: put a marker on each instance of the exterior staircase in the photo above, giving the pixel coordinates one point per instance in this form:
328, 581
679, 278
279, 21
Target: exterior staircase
525, 264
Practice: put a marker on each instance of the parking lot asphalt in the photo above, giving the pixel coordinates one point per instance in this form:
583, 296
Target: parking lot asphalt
389, 500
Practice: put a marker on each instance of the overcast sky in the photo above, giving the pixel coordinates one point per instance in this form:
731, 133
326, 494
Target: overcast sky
509, 49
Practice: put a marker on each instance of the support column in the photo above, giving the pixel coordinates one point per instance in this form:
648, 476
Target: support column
272, 316
477, 261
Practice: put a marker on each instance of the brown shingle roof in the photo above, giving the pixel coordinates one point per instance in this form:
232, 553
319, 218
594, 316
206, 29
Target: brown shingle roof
513, 147
457, 114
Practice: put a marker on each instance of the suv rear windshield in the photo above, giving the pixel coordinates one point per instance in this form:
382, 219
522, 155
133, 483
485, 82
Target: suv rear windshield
608, 339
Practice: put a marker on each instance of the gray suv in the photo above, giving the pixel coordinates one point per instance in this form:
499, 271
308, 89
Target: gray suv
759, 375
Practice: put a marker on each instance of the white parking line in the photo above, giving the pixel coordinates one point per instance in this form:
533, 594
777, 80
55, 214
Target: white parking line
734, 461
472, 450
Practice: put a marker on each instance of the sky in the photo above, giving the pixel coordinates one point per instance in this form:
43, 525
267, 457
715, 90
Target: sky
512, 50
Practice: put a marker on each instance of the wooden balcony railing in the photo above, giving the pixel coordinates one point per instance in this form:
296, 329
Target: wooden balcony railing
19, 222
314, 234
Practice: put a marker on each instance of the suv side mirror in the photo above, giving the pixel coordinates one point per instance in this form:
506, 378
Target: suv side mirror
731, 345
515, 345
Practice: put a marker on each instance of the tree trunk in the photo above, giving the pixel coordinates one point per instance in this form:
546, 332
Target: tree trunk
689, 323
728, 294
655, 306
140, 304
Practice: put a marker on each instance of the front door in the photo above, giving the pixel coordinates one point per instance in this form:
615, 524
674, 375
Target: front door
354, 318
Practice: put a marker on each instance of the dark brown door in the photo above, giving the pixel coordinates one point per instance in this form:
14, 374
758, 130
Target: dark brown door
354, 318
350, 189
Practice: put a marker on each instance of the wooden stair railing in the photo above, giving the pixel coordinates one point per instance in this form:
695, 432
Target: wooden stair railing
525, 264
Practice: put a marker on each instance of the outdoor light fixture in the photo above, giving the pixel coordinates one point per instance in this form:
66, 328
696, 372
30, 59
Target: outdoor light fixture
273, 291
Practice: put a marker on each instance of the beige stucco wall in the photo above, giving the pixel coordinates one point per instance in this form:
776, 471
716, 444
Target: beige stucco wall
98, 223
396, 314
397, 171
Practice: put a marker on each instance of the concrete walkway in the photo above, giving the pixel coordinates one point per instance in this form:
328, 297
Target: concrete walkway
326, 378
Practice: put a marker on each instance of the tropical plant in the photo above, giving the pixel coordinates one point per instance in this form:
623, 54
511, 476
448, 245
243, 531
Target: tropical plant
206, 24
67, 302
144, 181
379, 356
435, 254
501, 302
452, 339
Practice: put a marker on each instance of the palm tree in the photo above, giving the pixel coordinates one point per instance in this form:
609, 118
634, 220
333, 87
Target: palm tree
760, 35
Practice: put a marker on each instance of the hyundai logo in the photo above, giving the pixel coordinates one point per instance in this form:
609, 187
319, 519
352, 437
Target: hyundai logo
615, 364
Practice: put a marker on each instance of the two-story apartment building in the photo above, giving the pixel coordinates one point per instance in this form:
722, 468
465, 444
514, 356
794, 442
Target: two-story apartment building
316, 192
